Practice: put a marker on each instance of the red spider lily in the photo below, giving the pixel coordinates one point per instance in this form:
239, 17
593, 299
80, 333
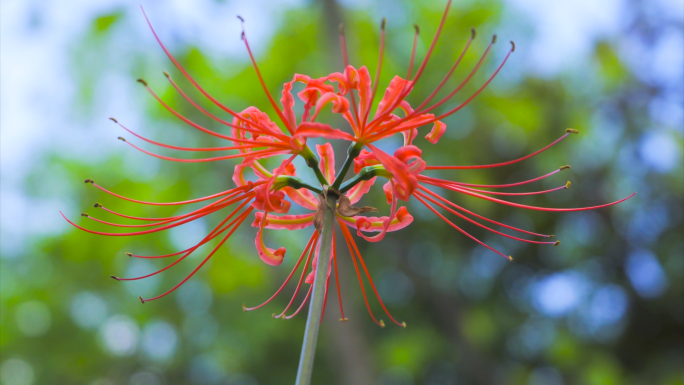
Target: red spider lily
255, 136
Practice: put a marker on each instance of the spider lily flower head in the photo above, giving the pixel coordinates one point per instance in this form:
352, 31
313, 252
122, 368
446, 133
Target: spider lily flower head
270, 193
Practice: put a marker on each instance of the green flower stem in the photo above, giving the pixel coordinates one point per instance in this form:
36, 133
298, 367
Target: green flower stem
294, 182
312, 162
366, 173
313, 321
353, 151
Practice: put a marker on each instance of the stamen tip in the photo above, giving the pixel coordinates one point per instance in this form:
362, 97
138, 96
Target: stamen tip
142, 81
89, 181
552, 236
241, 19
556, 243
84, 215
344, 319
114, 120
571, 131
494, 39
274, 316
166, 74
121, 138
115, 277
512, 46
129, 254
383, 23
96, 205
510, 258
415, 26
564, 167
382, 323
244, 307
473, 33
142, 301
340, 29
403, 324
567, 185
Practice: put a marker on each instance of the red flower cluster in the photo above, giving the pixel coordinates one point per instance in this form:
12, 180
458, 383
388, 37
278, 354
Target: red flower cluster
255, 136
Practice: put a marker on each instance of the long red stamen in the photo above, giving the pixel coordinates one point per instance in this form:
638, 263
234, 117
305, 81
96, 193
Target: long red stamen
263, 84
540, 208
249, 146
299, 261
422, 177
480, 216
224, 122
345, 59
204, 261
449, 186
216, 230
434, 42
337, 280
249, 186
347, 236
461, 230
370, 280
190, 78
214, 159
301, 279
262, 131
413, 51
141, 232
502, 163
306, 299
377, 77
216, 206
479, 224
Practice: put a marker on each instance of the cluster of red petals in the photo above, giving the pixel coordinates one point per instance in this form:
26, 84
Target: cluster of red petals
256, 137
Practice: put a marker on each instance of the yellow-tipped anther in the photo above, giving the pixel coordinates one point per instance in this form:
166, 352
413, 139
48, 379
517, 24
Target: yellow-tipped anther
129, 254
403, 324
510, 258
564, 167
571, 131
84, 215
382, 323
244, 307
89, 181
567, 185
142, 301
552, 236
96, 205
344, 319
557, 243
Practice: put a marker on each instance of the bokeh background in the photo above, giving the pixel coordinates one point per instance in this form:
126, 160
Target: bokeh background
606, 307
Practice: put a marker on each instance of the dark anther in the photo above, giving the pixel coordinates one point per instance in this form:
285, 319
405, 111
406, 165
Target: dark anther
340, 29
114, 277
417, 32
121, 138
97, 205
142, 301
241, 19
564, 167
84, 215
473, 33
557, 243
114, 120
382, 24
129, 254
571, 131
142, 81
512, 46
494, 39
166, 74
89, 181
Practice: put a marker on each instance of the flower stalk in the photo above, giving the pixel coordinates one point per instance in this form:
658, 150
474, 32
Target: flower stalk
313, 321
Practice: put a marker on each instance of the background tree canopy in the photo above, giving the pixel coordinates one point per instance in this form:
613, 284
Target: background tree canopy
605, 307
